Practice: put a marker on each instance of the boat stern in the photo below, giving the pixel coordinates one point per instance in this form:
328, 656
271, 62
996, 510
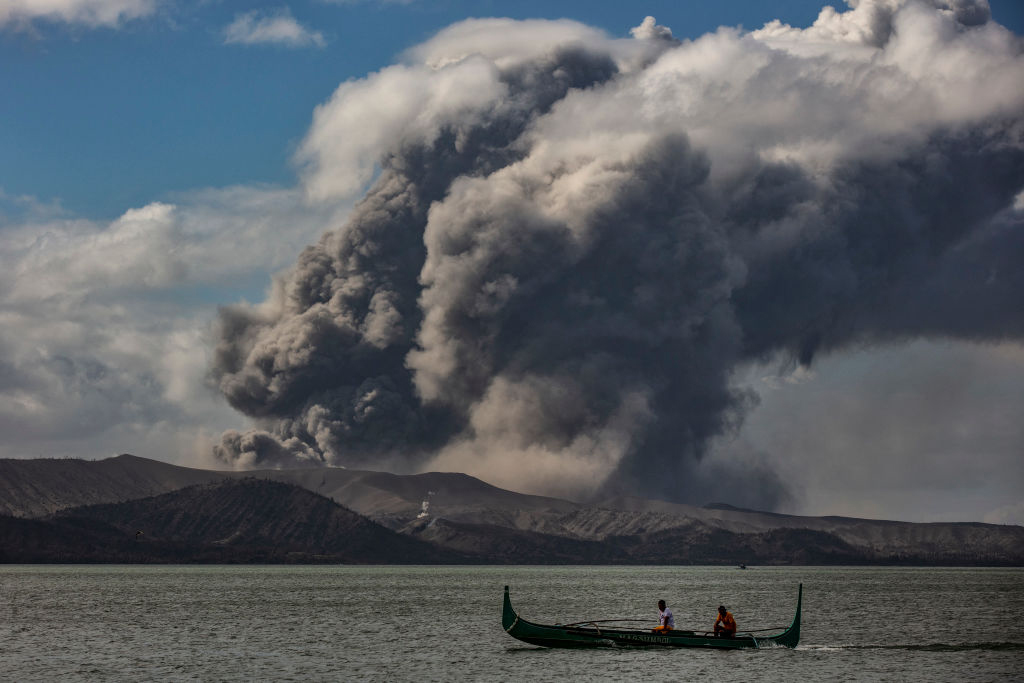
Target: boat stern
791, 636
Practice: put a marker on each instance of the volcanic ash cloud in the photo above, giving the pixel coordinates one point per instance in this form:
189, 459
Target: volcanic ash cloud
570, 242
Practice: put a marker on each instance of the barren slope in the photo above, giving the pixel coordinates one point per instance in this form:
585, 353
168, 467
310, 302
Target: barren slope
31, 488
248, 520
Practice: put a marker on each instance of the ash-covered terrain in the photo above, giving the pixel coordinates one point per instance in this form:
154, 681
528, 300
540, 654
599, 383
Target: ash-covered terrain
131, 509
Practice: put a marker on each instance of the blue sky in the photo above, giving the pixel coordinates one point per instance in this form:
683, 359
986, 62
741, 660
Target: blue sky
148, 177
101, 119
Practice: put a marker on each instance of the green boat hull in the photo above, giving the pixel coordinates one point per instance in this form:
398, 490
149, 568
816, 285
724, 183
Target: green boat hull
593, 635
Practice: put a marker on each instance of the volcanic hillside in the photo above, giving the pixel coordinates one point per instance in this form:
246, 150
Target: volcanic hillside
451, 516
248, 520
31, 488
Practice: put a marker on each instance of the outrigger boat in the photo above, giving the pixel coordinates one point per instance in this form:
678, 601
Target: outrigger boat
595, 634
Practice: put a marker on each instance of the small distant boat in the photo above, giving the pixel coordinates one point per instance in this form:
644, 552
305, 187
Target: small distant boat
596, 634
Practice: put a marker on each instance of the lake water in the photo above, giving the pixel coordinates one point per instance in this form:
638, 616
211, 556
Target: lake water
132, 623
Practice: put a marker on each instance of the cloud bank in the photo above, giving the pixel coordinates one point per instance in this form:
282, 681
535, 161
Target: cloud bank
105, 325
570, 243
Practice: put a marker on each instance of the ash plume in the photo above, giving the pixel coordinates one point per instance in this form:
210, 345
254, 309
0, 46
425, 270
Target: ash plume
570, 242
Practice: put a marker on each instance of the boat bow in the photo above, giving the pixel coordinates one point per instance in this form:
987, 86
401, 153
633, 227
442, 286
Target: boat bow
509, 618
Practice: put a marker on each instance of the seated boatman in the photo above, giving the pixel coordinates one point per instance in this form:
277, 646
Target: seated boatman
666, 622
725, 625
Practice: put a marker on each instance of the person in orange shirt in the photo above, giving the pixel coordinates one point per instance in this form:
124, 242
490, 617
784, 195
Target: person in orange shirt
725, 625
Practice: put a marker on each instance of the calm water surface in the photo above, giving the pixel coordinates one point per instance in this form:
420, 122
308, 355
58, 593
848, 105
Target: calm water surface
89, 623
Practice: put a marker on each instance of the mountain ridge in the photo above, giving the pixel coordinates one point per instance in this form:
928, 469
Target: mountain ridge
479, 522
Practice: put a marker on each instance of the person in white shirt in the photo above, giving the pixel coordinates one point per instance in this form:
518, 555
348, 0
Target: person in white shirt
666, 622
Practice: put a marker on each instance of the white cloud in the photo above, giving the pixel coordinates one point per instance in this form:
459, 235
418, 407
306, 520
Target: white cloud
649, 30
104, 326
208, 238
793, 96
271, 28
88, 12
504, 41
366, 117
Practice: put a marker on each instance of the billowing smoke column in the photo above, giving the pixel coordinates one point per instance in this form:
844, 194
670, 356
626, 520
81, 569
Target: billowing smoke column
570, 242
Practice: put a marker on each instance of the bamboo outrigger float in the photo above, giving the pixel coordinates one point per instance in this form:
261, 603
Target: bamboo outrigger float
593, 634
